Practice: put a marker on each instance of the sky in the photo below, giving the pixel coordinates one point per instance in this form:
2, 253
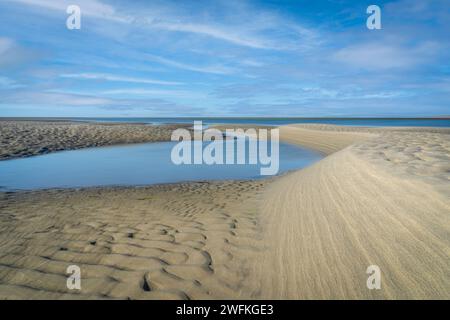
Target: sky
227, 58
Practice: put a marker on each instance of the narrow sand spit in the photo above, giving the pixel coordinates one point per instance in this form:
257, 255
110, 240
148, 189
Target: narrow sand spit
382, 201
381, 197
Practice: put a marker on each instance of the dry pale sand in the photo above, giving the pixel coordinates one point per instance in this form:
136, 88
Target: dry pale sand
381, 196
31, 137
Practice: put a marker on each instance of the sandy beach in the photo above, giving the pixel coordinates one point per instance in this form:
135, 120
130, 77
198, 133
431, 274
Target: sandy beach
379, 197
27, 138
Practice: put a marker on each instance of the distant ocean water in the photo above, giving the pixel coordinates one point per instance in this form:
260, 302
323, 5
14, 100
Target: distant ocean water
367, 122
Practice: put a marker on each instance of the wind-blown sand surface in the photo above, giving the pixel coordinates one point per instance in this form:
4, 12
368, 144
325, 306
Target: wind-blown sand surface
382, 201
381, 197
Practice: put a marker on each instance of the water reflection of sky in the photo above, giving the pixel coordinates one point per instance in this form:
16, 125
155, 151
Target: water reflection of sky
137, 164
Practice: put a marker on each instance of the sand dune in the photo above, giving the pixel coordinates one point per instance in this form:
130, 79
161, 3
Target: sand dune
380, 197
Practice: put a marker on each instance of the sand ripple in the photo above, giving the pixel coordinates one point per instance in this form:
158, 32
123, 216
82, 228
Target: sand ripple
181, 241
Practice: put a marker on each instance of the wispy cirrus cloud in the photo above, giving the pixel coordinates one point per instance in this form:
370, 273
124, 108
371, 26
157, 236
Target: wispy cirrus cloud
7, 83
255, 25
12, 54
53, 98
116, 78
381, 56
281, 58
90, 8
5, 45
214, 69
94, 103
214, 32
143, 92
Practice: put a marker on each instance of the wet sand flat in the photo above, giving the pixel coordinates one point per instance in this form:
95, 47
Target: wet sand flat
31, 137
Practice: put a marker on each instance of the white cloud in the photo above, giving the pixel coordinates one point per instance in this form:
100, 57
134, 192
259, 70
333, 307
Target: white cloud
110, 77
5, 45
11, 54
92, 8
155, 92
242, 25
214, 32
251, 63
7, 83
381, 56
214, 69
54, 98
72, 99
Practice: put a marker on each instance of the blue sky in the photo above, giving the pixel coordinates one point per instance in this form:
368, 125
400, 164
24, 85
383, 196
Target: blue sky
224, 58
